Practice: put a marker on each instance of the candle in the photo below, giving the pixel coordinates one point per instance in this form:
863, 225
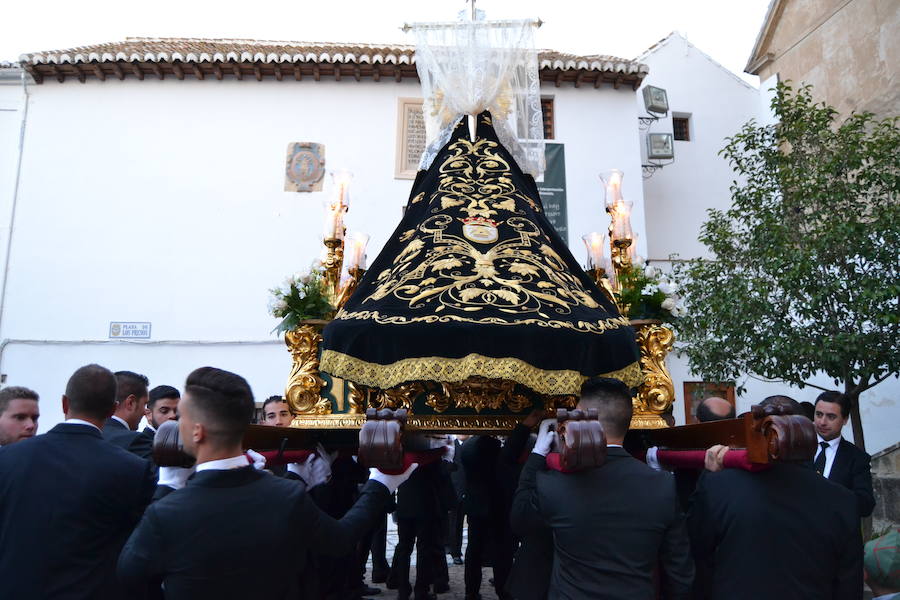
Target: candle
342, 179
334, 221
355, 253
632, 249
594, 242
621, 215
613, 179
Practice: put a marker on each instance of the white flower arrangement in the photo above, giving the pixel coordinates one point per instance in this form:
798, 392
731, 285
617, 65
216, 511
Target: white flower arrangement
299, 297
647, 294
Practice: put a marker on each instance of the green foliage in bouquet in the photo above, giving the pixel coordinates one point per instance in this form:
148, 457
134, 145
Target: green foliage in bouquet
646, 294
300, 298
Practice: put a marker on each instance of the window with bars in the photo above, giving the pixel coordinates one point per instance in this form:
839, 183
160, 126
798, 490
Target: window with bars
547, 112
681, 128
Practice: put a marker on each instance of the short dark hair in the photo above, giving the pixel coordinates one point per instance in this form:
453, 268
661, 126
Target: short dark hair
612, 399
272, 399
705, 414
8, 394
130, 384
224, 400
91, 392
838, 398
790, 406
808, 410
162, 391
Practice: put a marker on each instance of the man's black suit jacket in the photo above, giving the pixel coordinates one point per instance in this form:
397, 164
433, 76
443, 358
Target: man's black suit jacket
529, 577
419, 496
852, 468
611, 527
135, 442
783, 533
210, 538
68, 502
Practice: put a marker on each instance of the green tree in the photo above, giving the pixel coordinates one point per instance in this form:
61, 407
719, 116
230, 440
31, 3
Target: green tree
806, 275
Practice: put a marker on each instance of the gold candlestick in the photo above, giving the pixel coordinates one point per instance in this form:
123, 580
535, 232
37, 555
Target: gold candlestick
334, 261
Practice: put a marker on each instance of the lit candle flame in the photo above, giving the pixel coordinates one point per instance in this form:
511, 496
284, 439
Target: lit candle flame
594, 242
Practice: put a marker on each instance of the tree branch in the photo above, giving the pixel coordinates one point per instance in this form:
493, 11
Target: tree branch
806, 383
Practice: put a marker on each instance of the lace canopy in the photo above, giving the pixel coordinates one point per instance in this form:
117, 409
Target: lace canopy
468, 67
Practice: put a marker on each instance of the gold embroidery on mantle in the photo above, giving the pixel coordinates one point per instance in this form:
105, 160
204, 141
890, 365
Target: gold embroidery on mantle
542, 381
439, 271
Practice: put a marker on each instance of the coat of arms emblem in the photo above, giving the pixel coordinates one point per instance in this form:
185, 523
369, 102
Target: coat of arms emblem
305, 167
480, 230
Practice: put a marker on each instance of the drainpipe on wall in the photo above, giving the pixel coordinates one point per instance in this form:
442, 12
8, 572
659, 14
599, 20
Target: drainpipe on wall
12, 214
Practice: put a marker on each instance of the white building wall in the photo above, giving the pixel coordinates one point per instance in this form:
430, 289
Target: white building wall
677, 197
12, 111
162, 201
718, 104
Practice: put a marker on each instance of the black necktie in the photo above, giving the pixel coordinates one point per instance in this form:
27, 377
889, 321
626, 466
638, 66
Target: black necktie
820, 460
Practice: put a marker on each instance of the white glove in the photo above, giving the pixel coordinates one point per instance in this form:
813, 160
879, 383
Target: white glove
259, 461
313, 471
391, 482
546, 438
451, 450
652, 460
174, 477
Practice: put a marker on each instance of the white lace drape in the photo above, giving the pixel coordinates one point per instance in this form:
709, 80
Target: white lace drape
467, 67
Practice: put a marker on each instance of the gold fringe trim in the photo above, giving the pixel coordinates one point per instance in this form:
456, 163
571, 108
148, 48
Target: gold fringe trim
435, 368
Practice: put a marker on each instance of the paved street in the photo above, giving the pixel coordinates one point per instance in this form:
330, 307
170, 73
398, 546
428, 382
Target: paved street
457, 591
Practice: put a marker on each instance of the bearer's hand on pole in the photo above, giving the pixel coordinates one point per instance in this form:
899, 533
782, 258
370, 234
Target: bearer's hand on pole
546, 439
715, 458
392, 482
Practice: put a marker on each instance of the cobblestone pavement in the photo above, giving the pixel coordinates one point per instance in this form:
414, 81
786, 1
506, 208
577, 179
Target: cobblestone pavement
457, 585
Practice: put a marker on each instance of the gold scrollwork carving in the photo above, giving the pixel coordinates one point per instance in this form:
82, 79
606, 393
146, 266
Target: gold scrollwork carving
304, 383
657, 393
478, 394
401, 396
423, 423
358, 398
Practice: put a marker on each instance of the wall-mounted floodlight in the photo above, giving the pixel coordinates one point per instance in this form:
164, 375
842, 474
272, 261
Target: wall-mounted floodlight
655, 100
660, 146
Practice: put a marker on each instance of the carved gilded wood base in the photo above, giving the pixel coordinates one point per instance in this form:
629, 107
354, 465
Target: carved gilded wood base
657, 393
304, 383
303, 393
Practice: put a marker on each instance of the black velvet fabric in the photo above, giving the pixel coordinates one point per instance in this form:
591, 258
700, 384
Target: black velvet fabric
476, 268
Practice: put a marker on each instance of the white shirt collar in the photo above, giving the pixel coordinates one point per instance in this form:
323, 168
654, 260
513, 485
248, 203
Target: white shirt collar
223, 464
614, 445
80, 422
122, 421
833, 444
151, 427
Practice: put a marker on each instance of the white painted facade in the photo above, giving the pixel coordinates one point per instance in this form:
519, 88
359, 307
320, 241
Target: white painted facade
162, 201
676, 197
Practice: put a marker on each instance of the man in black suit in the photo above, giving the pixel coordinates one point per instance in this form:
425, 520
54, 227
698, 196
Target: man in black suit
837, 459
205, 539
456, 516
783, 533
69, 500
162, 406
612, 525
532, 566
418, 524
121, 428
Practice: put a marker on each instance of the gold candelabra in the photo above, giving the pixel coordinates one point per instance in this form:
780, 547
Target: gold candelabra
657, 392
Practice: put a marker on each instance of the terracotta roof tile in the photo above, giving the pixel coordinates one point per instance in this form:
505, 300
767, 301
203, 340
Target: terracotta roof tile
210, 55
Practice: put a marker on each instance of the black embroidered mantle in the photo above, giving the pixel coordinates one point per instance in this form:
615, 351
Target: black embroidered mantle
476, 282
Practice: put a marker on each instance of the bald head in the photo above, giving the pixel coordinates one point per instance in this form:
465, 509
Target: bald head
714, 409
